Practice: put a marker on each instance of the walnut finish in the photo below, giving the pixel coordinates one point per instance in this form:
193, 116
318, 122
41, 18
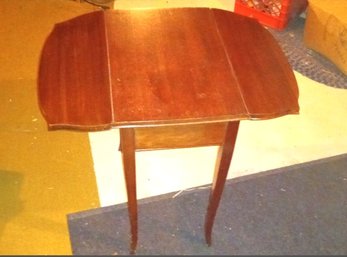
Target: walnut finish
168, 78
121, 68
179, 136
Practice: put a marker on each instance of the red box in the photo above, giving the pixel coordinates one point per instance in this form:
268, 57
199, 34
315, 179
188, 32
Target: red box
272, 13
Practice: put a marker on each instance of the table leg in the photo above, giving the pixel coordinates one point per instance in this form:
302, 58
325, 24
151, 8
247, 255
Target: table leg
225, 153
127, 139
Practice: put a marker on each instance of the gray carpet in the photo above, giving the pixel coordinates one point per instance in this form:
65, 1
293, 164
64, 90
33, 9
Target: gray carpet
296, 210
306, 61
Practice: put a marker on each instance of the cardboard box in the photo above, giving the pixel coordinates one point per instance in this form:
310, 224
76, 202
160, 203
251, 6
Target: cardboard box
326, 30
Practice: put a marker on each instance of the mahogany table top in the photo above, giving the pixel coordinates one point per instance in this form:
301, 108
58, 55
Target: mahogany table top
151, 67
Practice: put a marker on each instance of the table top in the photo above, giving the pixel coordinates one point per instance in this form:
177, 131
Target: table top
152, 67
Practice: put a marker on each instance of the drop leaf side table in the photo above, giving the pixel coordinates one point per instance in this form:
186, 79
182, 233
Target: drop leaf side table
167, 78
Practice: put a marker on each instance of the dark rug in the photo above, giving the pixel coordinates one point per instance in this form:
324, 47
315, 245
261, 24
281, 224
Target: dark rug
296, 210
306, 61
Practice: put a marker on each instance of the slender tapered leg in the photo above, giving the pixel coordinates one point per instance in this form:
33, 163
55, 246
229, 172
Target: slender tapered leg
127, 139
225, 153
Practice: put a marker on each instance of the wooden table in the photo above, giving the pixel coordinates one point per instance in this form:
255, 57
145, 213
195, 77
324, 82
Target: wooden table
167, 78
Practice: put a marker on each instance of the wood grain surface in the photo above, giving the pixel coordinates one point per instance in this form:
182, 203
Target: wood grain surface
130, 68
